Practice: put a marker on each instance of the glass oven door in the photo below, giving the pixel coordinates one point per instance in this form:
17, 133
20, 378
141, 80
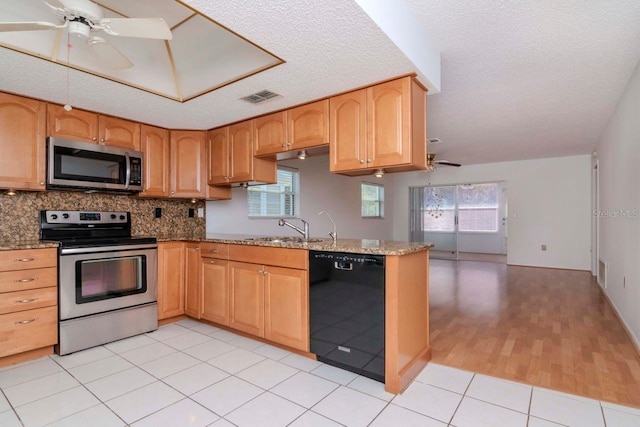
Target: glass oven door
101, 279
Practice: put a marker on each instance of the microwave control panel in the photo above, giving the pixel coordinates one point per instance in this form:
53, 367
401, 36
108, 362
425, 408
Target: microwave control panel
136, 171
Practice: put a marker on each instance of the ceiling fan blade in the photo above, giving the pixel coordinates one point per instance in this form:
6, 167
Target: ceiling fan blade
27, 26
447, 163
109, 54
148, 28
54, 4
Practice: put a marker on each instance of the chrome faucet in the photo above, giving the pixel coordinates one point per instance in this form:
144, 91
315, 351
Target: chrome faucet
304, 232
334, 234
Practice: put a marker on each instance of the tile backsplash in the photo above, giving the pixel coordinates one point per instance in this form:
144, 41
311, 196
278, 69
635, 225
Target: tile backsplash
19, 214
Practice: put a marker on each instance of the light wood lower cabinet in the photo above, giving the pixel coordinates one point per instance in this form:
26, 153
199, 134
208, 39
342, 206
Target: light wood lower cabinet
215, 290
192, 304
270, 302
28, 300
171, 274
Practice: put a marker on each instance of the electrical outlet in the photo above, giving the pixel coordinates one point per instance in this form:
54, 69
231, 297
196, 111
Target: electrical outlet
157, 213
192, 212
200, 212
543, 247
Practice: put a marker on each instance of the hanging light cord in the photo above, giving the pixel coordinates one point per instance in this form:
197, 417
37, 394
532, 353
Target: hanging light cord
67, 106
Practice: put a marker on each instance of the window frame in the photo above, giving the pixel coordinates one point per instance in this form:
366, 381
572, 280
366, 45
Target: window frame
379, 201
295, 193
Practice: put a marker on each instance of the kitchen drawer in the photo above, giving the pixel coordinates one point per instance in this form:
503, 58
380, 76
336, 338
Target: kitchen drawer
214, 250
22, 280
28, 330
26, 300
25, 259
279, 257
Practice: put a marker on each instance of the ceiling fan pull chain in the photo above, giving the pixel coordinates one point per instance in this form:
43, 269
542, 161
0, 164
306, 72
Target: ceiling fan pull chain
67, 106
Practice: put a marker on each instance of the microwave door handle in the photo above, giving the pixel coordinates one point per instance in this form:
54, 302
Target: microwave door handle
128, 173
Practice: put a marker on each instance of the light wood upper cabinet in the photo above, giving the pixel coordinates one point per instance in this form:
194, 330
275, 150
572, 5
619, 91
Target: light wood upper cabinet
118, 132
171, 275
22, 143
80, 125
308, 125
188, 154
230, 157
382, 126
348, 135
270, 133
155, 147
286, 312
193, 297
246, 302
76, 125
301, 127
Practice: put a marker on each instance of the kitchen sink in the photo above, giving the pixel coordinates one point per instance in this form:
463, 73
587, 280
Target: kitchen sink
284, 240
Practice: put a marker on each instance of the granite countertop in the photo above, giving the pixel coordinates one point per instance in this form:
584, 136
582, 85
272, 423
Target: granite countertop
10, 245
362, 246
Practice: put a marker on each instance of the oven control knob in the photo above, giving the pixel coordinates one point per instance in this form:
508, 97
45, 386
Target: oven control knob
65, 215
122, 217
113, 216
54, 216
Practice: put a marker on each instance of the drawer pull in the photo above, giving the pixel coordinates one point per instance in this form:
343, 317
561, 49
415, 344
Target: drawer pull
214, 251
24, 259
26, 301
25, 280
212, 262
26, 322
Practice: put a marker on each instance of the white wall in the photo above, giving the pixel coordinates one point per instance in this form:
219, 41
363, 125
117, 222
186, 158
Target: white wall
320, 190
619, 159
549, 203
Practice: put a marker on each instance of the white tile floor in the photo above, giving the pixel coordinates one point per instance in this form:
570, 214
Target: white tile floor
191, 374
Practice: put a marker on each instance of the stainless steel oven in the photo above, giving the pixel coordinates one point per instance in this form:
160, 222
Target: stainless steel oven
107, 286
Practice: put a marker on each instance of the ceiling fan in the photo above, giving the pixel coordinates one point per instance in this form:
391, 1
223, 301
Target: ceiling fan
432, 162
83, 18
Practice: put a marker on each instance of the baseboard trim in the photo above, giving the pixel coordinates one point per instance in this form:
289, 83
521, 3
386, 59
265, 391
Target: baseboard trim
625, 326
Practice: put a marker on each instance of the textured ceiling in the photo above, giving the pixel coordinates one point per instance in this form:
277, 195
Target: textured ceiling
520, 79
527, 79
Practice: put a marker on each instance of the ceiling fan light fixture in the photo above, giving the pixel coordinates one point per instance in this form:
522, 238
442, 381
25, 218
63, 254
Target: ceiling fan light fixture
79, 29
379, 173
302, 154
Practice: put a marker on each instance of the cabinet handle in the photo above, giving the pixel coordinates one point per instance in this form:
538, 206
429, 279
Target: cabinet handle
288, 144
368, 160
284, 145
212, 262
173, 192
25, 322
197, 248
24, 280
24, 259
361, 162
94, 139
41, 182
214, 251
101, 139
25, 301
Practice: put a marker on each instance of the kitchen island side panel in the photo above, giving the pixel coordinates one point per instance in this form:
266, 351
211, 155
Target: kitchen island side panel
407, 319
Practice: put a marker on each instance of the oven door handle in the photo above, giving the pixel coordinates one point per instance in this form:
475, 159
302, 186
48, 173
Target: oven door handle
75, 251
127, 180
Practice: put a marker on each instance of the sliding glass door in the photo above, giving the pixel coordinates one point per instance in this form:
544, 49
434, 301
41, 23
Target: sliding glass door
434, 219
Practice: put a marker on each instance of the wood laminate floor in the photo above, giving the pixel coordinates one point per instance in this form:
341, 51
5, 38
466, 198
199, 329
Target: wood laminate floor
546, 327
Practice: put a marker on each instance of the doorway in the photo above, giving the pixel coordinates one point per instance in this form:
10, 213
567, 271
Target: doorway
464, 221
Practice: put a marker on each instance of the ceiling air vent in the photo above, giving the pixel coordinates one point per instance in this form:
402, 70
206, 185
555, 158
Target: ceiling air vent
261, 96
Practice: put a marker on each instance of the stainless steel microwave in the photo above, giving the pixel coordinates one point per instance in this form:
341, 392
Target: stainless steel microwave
73, 165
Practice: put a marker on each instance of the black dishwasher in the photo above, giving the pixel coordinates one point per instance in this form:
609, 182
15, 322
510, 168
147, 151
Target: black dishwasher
346, 311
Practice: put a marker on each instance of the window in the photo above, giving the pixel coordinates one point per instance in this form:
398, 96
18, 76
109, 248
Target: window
276, 200
372, 200
478, 208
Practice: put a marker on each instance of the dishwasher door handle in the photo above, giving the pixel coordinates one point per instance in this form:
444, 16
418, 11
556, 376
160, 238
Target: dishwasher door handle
343, 265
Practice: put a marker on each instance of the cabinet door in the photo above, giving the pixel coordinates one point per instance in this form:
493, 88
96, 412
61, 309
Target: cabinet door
119, 132
287, 307
170, 279
215, 290
389, 123
155, 147
308, 125
218, 156
187, 161
270, 134
22, 143
77, 125
347, 134
241, 152
192, 297
246, 302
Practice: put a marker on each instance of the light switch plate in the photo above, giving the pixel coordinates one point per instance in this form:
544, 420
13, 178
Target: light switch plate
200, 212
